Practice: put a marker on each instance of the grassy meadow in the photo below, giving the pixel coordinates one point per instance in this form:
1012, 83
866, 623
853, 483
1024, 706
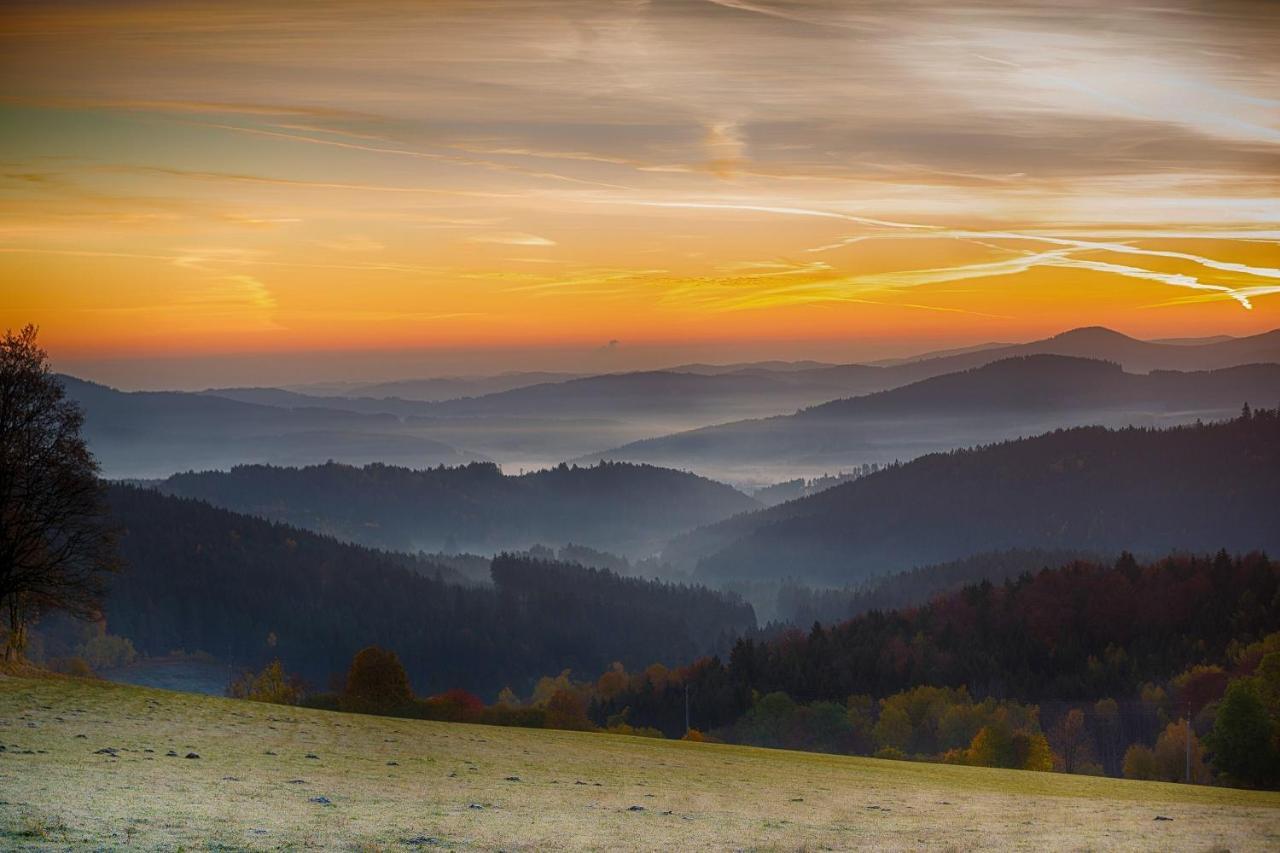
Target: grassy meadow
100, 765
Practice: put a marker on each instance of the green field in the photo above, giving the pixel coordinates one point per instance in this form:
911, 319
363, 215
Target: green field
381, 783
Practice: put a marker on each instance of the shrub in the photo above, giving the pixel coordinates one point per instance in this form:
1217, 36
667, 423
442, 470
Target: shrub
107, 651
505, 715
455, 706
321, 701
73, 666
628, 729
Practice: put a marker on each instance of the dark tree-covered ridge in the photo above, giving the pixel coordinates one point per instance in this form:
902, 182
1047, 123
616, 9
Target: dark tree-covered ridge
1152, 491
205, 579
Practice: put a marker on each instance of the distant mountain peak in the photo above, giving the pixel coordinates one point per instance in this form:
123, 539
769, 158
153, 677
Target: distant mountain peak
1093, 334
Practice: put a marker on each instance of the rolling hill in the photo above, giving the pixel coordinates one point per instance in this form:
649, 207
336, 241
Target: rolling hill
1198, 487
757, 388
618, 507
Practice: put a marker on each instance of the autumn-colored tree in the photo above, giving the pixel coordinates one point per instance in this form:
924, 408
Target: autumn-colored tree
612, 682
1034, 751
893, 728
658, 675
1139, 762
1171, 755
927, 719
1106, 713
456, 705
1247, 657
567, 709
548, 687
1199, 686
998, 744
1073, 743
376, 684
270, 685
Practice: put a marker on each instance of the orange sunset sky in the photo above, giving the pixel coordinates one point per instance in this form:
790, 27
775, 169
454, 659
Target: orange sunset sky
263, 192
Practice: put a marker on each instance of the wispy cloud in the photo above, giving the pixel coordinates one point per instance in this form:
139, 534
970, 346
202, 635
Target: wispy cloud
687, 166
511, 238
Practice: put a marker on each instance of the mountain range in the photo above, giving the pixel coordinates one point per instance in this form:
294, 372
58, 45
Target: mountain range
142, 434
1013, 397
534, 420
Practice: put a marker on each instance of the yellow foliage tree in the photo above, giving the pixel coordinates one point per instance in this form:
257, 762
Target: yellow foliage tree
1170, 758
270, 685
1139, 762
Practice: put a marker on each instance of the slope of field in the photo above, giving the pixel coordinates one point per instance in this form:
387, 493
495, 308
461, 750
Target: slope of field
269, 777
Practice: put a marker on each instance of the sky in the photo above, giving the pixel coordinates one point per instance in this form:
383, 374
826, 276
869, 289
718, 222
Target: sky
245, 193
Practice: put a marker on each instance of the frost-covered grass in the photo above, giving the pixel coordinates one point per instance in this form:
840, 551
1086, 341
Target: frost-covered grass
379, 783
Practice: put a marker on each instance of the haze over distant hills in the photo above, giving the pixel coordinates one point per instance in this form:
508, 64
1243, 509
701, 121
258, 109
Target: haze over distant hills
1191, 488
1013, 397
617, 507
432, 389
540, 419
155, 433
695, 391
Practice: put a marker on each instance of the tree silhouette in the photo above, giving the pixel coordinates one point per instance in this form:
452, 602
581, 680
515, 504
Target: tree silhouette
55, 543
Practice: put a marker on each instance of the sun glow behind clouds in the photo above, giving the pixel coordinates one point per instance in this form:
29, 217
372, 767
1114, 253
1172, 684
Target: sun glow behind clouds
476, 174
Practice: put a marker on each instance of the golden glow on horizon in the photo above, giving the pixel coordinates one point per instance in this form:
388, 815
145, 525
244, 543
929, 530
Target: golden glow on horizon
394, 175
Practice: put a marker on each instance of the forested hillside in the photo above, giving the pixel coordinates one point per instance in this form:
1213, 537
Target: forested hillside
198, 578
1097, 663
623, 508
800, 604
1193, 488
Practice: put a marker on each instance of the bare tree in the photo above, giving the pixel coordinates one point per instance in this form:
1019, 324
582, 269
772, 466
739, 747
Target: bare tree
56, 544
